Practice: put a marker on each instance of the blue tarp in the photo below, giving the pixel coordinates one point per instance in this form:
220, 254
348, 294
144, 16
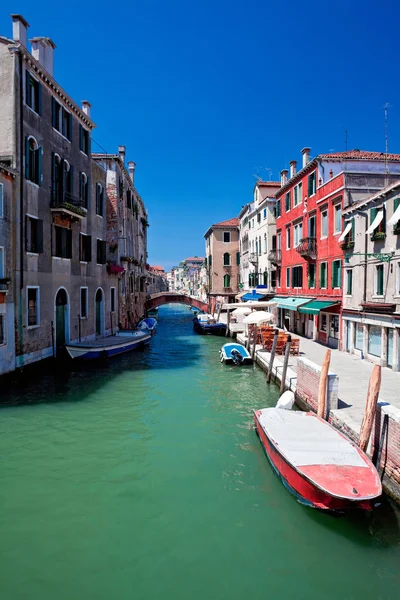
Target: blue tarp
251, 296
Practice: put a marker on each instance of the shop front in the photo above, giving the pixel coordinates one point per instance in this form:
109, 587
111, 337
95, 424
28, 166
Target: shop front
288, 316
321, 321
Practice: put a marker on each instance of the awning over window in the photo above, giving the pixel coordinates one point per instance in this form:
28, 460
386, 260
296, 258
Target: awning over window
347, 230
315, 306
378, 219
291, 303
395, 216
273, 301
251, 296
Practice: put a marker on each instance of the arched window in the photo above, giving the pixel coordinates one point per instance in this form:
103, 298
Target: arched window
33, 160
68, 178
227, 260
227, 281
84, 189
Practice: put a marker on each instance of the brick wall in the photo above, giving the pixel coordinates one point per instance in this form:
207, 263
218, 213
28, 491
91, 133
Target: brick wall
308, 376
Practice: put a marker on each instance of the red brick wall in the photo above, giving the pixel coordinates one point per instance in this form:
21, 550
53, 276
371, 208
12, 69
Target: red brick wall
307, 385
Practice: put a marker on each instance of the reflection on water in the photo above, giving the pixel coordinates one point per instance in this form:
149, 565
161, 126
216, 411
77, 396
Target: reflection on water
143, 478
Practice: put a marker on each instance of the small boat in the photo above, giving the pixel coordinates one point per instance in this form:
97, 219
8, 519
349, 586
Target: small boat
153, 312
235, 354
206, 324
322, 467
148, 324
108, 346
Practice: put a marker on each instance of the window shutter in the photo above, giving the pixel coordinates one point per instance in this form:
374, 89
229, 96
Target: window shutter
71, 179
372, 215
89, 148
103, 251
396, 204
339, 274
238, 258
27, 158
383, 223
28, 89
88, 193
39, 233
53, 112
26, 232
39, 107
70, 127
53, 173
80, 137
39, 154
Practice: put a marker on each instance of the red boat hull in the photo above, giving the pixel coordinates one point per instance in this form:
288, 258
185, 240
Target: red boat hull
305, 492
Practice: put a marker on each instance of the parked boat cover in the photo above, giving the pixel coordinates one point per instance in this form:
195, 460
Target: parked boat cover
306, 440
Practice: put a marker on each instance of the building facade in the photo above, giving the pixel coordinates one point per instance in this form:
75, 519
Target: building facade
60, 282
309, 225
222, 261
371, 285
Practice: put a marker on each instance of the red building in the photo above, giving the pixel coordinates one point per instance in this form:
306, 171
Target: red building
309, 242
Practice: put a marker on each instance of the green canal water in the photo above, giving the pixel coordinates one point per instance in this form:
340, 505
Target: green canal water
143, 479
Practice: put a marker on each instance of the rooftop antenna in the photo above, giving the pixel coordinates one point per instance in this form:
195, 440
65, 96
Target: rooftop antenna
385, 108
269, 171
345, 139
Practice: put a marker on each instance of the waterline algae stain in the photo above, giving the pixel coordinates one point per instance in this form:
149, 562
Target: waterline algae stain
143, 478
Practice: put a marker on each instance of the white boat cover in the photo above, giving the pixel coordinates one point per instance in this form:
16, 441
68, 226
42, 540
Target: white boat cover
375, 222
305, 440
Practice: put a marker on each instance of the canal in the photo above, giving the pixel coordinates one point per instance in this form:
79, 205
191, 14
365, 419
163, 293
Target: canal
143, 479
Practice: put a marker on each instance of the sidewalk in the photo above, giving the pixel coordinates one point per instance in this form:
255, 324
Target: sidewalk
353, 373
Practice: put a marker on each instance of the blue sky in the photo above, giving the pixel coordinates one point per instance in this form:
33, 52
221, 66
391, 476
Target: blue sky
205, 95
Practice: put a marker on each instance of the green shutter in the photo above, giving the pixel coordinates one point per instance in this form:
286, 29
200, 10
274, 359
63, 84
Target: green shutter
309, 185
372, 215
238, 258
334, 274
39, 161
27, 158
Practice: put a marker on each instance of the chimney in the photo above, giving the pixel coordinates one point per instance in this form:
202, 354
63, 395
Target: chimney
284, 175
20, 27
131, 167
122, 152
306, 156
86, 106
43, 52
293, 165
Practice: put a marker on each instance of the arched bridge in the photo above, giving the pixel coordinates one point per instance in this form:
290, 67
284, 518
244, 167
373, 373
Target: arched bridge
161, 298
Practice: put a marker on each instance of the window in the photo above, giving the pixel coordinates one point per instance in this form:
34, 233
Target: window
338, 218
34, 235
375, 340
227, 236
324, 224
311, 276
84, 189
227, 281
84, 140
349, 282
85, 248
396, 227
287, 202
33, 306
278, 208
62, 242
288, 277
381, 228
100, 200
1, 262
297, 277
265, 278
288, 238
33, 93
61, 119
1, 201
359, 341
273, 279
69, 179
312, 233
101, 252
379, 275
2, 330
113, 296
84, 302
298, 234
322, 322
323, 268
278, 241
227, 259
265, 213
238, 258
334, 326
312, 183
33, 160
258, 217
298, 194
336, 274
210, 260
278, 276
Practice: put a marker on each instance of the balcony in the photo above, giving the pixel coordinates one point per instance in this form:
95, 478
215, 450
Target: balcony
253, 258
275, 257
307, 248
66, 203
347, 244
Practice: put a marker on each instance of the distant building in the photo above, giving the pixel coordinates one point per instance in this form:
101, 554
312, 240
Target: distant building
222, 261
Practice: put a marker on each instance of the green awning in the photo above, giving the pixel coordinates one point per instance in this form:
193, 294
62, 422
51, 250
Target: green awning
274, 300
292, 303
315, 306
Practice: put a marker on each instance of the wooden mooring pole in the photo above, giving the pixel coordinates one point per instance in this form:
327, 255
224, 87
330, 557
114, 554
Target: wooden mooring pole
370, 408
323, 384
228, 320
253, 350
285, 363
272, 357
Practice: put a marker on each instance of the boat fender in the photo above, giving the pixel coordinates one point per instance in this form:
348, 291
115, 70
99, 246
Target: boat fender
286, 401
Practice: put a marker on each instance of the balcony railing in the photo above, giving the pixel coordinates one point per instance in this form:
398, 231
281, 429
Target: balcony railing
275, 257
67, 202
308, 248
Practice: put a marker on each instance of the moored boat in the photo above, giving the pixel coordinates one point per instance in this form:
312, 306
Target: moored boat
317, 463
108, 346
235, 354
206, 324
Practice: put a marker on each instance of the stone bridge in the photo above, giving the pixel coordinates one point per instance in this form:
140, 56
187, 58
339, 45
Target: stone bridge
161, 298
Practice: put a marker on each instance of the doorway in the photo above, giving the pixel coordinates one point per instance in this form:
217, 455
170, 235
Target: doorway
99, 312
61, 303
